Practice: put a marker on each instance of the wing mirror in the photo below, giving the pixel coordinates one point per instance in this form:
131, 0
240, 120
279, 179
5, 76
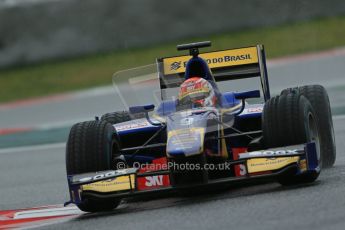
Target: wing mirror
144, 109
141, 109
247, 94
244, 95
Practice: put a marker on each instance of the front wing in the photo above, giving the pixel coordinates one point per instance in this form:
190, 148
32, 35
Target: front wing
132, 182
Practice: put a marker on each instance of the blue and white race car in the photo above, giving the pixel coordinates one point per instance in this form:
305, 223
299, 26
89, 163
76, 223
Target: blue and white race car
201, 134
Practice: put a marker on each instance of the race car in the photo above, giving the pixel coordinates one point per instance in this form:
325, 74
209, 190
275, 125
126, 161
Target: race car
197, 134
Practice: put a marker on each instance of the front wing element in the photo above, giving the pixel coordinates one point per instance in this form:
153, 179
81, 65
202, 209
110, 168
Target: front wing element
134, 182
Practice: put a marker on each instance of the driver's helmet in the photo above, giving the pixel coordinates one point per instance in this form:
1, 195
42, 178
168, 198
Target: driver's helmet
197, 92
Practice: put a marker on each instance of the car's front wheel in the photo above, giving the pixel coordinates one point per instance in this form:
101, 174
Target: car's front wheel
318, 98
289, 120
89, 149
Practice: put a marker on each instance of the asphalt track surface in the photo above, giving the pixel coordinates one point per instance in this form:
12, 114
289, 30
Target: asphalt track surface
36, 176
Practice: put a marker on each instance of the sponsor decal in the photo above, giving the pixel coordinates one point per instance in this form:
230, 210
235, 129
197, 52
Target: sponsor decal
268, 164
187, 121
187, 132
215, 59
190, 141
117, 184
253, 110
151, 182
240, 169
104, 175
133, 125
269, 153
175, 65
154, 181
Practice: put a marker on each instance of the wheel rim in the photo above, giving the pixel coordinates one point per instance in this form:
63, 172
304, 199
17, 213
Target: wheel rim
314, 135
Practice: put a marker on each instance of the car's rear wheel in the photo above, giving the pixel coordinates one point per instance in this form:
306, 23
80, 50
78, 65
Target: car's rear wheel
116, 117
89, 149
290, 119
120, 116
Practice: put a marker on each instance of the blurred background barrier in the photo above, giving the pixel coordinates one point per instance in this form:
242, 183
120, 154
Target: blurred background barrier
38, 30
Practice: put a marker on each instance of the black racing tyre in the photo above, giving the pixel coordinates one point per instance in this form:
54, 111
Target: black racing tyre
318, 97
89, 149
290, 119
288, 90
116, 117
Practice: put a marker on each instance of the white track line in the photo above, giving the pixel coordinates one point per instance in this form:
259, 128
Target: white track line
47, 212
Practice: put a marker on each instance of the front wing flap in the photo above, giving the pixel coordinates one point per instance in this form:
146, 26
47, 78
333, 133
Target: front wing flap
134, 182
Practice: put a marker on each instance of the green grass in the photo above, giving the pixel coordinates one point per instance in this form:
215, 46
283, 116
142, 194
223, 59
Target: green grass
96, 70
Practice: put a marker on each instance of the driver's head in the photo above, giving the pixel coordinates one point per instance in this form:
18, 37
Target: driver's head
198, 92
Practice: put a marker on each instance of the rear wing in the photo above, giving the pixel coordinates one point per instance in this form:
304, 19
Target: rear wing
225, 65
